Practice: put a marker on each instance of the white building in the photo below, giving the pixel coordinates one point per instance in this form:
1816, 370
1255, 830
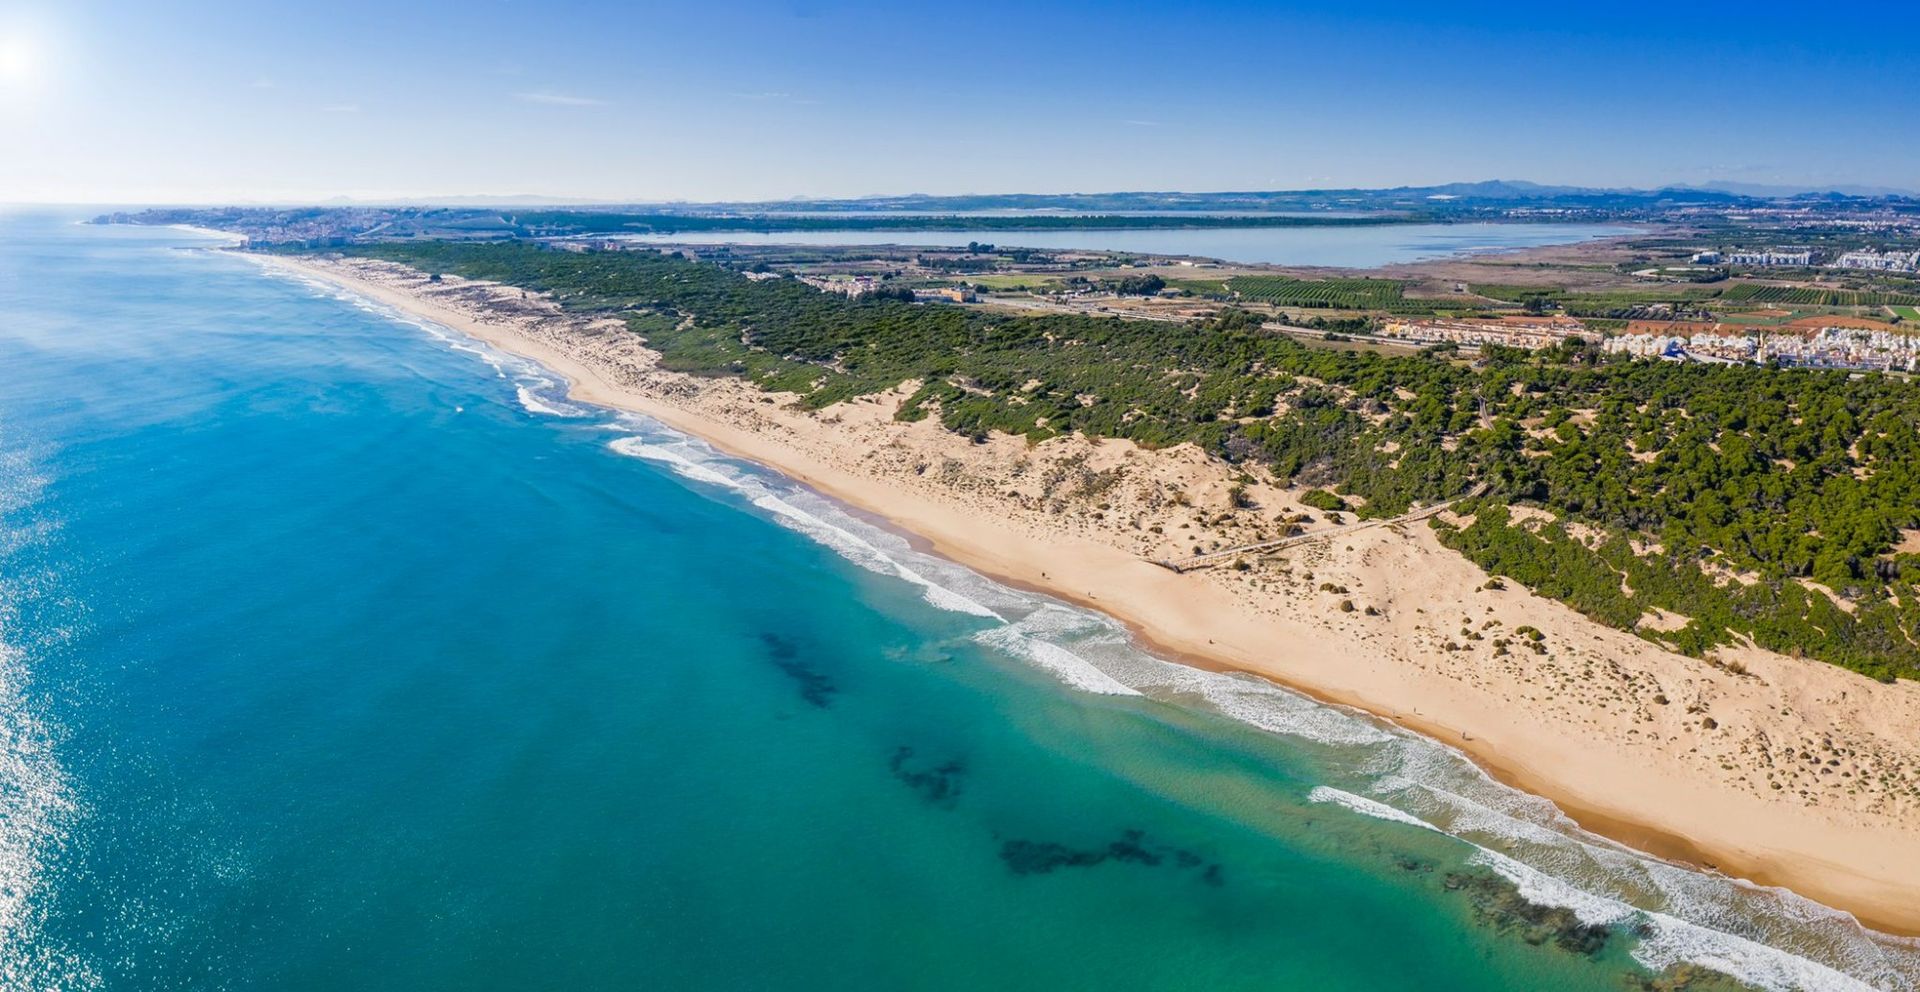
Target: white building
855, 286
1773, 256
1827, 347
1893, 261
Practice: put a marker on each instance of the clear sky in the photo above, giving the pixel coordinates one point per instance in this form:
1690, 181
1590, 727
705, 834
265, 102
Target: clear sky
158, 101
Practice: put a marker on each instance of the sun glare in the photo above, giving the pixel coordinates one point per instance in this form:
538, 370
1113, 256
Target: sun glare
16, 60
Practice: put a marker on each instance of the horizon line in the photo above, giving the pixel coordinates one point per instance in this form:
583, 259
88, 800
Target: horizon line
1868, 190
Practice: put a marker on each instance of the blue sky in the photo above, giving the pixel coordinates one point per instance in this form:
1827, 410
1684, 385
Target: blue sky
219, 101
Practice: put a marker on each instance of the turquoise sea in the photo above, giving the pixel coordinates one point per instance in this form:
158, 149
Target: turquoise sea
337, 652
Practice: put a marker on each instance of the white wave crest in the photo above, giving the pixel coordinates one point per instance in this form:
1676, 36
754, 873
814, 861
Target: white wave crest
1664, 940
1366, 807
1768, 938
532, 402
1062, 663
686, 467
842, 535
1669, 940
1277, 710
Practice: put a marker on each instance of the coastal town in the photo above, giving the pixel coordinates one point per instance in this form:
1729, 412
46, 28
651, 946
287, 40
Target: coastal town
1833, 343
1820, 346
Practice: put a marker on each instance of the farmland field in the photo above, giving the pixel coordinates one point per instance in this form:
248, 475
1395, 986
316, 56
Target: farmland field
1200, 287
1340, 294
1620, 297
1014, 280
1747, 292
1762, 319
1906, 312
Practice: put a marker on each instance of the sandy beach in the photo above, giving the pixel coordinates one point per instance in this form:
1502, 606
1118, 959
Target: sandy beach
1777, 770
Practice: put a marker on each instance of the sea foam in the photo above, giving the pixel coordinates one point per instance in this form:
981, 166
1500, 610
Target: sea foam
1368, 807
859, 543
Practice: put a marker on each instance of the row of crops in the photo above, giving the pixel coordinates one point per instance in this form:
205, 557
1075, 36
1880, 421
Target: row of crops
1739, 292
1747, 292
1622, 297
1337, 294
1385, 294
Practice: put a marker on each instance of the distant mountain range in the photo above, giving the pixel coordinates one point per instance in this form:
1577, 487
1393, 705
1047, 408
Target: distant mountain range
1511, 193
1521, 188
1447, 198
1758, 189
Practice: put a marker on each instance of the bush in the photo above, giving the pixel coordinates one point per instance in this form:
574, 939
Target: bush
1320, 499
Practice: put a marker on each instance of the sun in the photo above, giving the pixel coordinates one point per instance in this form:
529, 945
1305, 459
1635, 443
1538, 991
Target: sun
16, 60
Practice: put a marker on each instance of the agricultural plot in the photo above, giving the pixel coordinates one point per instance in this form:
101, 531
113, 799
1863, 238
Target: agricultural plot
1906, 313
1516, 294
1763, 318
1014, 280
1747, 292
1200, 287
1613, 297
1335, 294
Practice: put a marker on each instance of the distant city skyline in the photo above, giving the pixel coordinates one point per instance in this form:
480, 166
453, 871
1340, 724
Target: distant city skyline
224, 101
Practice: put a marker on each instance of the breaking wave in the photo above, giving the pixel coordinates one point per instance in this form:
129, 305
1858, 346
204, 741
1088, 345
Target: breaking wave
1367, 807
792, 507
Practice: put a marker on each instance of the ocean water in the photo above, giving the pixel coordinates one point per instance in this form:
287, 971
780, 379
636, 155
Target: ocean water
337, 652
1349, 247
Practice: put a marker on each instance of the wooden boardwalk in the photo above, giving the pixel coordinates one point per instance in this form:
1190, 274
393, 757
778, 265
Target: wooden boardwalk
1213, 558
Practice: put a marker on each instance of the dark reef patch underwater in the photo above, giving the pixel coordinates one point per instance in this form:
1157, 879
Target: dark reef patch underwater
1026, 857
939, 784
815, 687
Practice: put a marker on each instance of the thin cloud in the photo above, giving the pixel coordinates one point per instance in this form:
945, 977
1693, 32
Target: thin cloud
1141, 123
553, 99
263, 83
770, 96
340, 108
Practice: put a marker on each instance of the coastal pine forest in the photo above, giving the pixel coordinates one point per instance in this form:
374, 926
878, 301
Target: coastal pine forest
1767, 505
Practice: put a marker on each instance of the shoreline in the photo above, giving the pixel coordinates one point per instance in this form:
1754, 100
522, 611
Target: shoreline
1868, 869
231, 239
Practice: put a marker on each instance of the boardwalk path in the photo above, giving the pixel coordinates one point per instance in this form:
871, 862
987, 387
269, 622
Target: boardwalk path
1213, 558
